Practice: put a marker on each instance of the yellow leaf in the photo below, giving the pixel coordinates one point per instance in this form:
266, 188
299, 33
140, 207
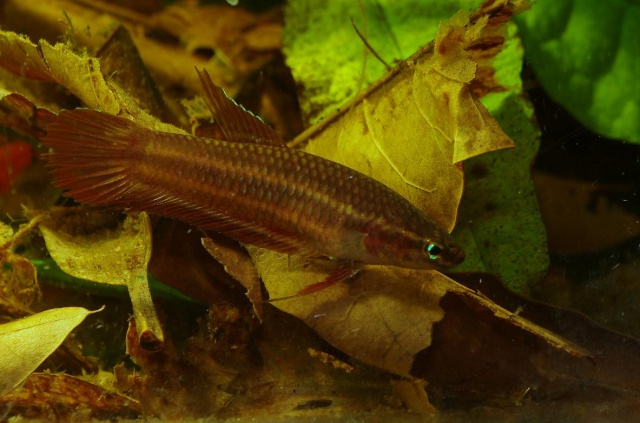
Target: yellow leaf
94, 245
411, 128
22, 57
26, 343
81, 76
382, 317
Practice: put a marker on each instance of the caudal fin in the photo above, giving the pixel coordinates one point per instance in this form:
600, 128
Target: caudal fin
92, 154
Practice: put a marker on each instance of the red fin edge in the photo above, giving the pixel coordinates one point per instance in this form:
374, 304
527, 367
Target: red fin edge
340, 273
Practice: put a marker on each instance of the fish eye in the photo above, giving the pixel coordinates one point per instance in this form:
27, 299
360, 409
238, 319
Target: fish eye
432, 251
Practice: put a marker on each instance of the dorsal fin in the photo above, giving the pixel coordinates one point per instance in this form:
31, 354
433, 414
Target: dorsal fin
236, 123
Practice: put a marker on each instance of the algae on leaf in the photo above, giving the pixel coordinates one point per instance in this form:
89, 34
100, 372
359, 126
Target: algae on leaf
500, 225
586, 54
326, 56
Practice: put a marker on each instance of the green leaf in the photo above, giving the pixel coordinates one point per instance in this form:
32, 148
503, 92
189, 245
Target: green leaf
326, 55
586, 54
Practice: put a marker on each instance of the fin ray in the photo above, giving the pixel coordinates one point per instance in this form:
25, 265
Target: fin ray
236, 123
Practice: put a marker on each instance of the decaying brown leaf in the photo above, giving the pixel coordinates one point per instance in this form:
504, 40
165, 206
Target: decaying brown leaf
96, 246
239, 266
384, 316
18, 282
233, 44
26, 343
55, 397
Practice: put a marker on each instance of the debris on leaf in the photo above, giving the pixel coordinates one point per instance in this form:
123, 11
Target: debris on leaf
50, 397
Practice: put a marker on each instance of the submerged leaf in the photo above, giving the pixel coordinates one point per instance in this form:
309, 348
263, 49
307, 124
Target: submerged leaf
81, 75
408, 131
586, 55
70, 397
411, 128
26, 343
22, 57
97, 247
382, 317
394, 29
238, 265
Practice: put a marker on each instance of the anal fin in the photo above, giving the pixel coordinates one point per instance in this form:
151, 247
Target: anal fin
344, 271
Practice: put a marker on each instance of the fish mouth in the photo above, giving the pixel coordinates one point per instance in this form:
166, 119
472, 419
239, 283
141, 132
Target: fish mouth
454, 255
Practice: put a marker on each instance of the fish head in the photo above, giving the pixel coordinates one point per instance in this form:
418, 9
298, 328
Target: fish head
433, 249
440, 253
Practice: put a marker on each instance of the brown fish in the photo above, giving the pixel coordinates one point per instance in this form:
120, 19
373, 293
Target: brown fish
249, 186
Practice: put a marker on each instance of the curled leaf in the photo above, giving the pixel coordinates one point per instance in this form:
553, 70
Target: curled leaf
238, 264
96, 246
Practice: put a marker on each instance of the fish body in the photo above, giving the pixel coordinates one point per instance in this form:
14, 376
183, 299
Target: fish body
250, 187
